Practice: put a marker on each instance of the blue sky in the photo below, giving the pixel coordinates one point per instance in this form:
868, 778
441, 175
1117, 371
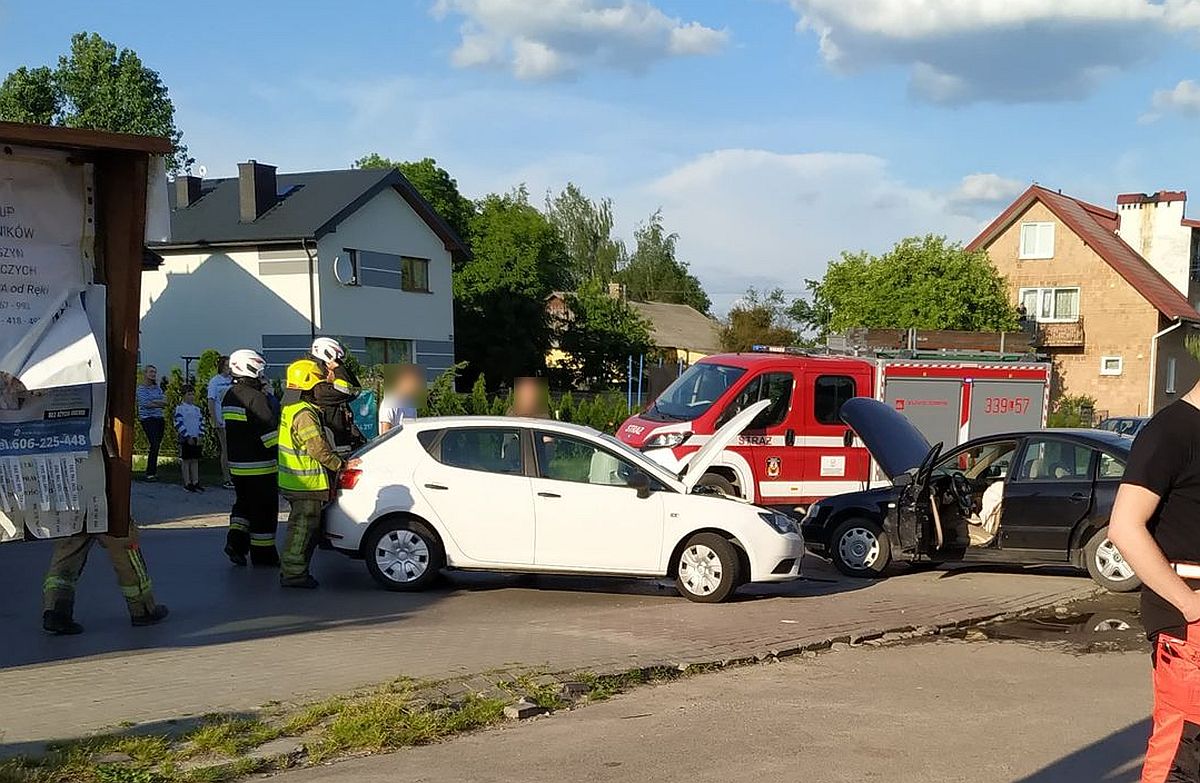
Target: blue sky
773, 133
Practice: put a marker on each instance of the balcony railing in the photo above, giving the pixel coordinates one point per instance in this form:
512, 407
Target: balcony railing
1059, 335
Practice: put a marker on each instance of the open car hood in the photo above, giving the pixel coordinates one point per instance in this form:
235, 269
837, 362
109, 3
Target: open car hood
895, 443
708, 453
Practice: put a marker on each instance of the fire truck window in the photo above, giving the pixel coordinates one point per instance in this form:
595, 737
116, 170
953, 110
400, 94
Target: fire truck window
829, 393
774, 386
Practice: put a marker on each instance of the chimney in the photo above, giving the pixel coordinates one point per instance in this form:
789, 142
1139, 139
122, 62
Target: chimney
256, 189
1153, 226
187, 190
616, 291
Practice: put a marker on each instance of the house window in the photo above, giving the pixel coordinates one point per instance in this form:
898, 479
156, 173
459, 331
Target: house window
414, 274
1051, 305
1170, 388
387, 350
346, 267
1037, 240
1111, 365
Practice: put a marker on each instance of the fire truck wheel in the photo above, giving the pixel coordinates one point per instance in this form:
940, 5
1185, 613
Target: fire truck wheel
859, 548
718, 483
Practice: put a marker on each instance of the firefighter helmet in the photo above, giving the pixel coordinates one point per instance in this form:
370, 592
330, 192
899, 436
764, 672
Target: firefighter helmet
303, 374
246, 363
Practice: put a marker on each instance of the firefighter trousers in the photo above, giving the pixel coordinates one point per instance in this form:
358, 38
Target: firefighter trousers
1173, 755
254, 518
304, 530
70, 556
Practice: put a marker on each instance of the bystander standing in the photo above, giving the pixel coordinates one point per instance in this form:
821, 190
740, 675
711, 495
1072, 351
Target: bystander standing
399, 404
151, 404
189, 426
217, 387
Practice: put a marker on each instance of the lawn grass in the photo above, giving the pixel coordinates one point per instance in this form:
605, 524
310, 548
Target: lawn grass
399, 714
169, 472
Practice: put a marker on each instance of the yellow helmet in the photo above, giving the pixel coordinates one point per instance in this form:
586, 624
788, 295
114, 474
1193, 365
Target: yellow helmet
303, 374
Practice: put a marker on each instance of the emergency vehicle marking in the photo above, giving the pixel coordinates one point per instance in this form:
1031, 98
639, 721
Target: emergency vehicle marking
833, 465
774, 464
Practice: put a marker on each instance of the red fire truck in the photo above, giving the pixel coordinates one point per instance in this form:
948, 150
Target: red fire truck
798, 451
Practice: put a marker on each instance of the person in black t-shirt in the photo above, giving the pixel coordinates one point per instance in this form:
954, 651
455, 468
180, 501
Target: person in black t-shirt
1155, 524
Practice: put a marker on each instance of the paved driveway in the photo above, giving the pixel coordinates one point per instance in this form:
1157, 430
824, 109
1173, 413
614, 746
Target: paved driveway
235, 640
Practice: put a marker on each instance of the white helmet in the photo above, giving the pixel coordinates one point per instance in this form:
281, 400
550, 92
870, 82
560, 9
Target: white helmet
328, 349
246, 363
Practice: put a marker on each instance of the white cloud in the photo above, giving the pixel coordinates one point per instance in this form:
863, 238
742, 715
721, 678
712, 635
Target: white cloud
1003, 50
986, 190
1183, 98
755, 217
543, 39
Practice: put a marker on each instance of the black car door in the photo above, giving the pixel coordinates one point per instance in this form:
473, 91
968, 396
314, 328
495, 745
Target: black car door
1048, 494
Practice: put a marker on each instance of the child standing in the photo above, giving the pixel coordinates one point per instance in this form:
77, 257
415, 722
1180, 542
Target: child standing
189, 423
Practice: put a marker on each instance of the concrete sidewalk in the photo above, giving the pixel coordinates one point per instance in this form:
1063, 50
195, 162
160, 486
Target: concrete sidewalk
235, 640
952, 712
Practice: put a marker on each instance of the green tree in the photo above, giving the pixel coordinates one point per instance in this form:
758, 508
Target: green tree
586, 229
98, 86
923, 283
758, 319
601, 336
518, 258
434, 184
653, 273
29, 95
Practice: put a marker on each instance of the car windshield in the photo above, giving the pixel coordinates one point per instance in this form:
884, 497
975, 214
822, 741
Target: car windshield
694, 392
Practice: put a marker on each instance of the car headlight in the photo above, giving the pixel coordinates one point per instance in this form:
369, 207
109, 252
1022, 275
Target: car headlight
666, 440
782, 523
813, 510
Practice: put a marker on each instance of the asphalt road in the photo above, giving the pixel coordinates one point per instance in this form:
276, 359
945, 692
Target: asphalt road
235, 640
953, 712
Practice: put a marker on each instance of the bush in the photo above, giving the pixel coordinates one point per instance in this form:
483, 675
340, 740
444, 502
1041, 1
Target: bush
604, 412
1072, 410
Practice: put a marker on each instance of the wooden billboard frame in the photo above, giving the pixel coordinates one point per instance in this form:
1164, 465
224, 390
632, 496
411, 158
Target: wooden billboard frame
121, 164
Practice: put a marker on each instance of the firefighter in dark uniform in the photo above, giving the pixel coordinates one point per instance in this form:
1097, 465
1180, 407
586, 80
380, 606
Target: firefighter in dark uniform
1155, 527
333, 398
251, 432
308, 465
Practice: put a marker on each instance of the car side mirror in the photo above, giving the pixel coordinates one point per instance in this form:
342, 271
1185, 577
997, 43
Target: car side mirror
848, 438
903, 480
641, 483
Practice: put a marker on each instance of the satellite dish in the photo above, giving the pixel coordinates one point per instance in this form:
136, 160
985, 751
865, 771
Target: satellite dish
343, 271
202, 171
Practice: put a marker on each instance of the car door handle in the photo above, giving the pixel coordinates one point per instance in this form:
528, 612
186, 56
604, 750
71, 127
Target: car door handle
436, 486
548, 495
1079, 497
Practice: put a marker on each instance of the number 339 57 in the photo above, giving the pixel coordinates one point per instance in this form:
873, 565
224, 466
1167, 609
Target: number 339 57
1000, 406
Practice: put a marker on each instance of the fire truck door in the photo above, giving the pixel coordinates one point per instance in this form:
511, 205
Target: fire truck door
933, 405
1005, 406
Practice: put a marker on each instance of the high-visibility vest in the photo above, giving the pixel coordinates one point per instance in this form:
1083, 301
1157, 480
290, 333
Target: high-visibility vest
298, 472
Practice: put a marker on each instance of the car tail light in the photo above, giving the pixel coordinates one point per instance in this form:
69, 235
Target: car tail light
348, 478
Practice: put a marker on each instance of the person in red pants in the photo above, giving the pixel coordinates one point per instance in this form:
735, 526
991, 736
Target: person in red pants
1155, 524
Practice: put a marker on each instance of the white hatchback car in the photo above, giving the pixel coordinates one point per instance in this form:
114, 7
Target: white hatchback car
529, 495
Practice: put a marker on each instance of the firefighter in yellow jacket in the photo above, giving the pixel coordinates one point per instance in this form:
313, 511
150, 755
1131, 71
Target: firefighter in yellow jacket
308, 465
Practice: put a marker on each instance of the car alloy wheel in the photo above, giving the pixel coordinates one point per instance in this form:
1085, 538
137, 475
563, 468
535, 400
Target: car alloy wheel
700, 569
402, 555
859, 548
1111, 564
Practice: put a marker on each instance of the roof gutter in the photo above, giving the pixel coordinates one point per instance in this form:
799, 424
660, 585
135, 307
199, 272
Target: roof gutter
312, 291
1154, 362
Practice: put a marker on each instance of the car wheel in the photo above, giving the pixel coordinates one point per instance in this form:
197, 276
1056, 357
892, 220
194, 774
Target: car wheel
859, 548
403, 554
718, 483
1107, 567
708, 569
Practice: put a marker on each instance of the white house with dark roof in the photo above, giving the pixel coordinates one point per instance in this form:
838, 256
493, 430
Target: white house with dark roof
267, 261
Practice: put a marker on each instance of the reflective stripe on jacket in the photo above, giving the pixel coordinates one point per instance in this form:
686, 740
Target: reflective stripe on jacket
298, 470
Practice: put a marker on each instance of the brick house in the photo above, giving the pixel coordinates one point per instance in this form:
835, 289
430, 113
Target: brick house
1108, 292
